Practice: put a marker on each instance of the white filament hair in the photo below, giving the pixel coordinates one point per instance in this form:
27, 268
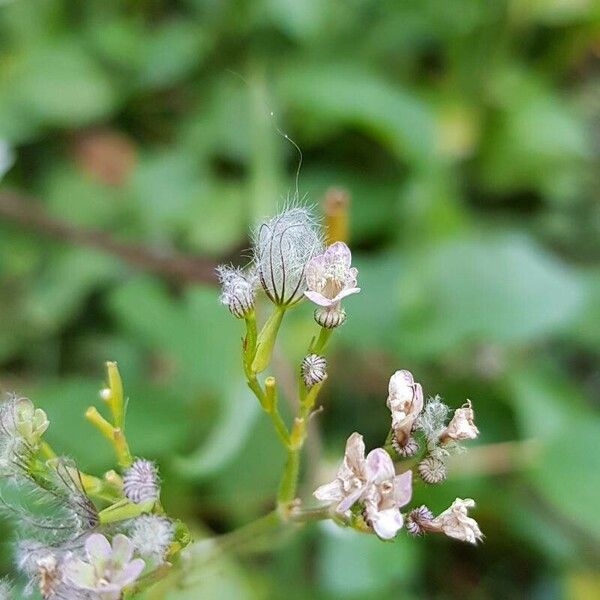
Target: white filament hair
283, 245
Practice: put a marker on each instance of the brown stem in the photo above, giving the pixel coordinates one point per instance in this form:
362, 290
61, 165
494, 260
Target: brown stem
180, 267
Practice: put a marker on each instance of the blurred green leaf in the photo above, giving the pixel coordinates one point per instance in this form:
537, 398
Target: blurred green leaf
61, 85
341, 95
351, 565
228, 436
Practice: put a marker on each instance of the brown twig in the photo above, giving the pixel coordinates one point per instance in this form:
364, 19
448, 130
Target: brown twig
175, 266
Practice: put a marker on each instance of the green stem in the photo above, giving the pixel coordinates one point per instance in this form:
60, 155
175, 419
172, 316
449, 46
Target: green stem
318, 346
266, 340
250, 341
289, 479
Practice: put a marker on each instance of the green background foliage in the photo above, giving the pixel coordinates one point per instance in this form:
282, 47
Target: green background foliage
466, 133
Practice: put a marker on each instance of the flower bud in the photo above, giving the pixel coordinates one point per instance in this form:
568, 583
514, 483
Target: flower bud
405, 401
330, 317
416, 520
314, 369
140, 481
432, 470
237, 290
283, 246
407, 449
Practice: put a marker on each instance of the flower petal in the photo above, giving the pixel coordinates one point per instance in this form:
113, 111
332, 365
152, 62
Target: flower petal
354, 454
315, 272
380, 466
350, 499
329, 492
97, 548
343, 294
130, 573
386, 523
339, 253
122, 549
403, 488
319, 299
80, 574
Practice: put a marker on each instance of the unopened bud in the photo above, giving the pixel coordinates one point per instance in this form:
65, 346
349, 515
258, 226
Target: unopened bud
238, 290
417, 519
140, 481
330, 317
432, 470
407, 449
314, 369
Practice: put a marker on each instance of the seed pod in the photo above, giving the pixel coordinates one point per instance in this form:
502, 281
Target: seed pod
432, 470
314, 369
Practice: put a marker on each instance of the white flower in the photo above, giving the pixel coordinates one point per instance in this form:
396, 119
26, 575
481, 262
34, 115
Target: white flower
140, 481
462, 426
329, 276
372, 482
387, 494
456, 523
108, 570
238, 289
351, 478
405, 401
283, 246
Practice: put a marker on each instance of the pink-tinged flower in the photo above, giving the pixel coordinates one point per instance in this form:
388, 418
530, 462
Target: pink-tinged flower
405, 401
329, 276
462, 426
108, 570
387, 494
372, 482
351, 479
456, 523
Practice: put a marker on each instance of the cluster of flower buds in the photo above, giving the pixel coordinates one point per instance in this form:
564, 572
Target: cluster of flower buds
369, 490
291, 263
70, 549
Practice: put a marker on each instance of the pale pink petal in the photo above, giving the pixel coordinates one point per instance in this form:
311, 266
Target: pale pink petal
329, 492
399, 381
314, 272
379, 466
80, 574
351, 277
97, 548
319, 298
122, 549
386, 523
350, 499
342, 294
339, 253
354, 453
130, 573
403, 488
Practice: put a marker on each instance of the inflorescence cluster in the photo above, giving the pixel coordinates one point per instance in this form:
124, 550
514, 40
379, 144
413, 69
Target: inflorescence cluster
368, 493
84, 537
81, 537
